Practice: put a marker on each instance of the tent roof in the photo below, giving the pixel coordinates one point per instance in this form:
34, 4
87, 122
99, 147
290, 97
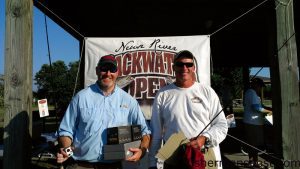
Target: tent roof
248, 41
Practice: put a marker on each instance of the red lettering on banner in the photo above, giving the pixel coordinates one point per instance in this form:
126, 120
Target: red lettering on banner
141, 88
136, 63
148, 68
154, 84
118, 58
159, 65
168, 57
146, 88
127, 64
148, 61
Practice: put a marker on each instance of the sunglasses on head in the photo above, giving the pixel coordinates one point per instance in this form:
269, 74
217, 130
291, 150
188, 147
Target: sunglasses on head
110, 68
182, 64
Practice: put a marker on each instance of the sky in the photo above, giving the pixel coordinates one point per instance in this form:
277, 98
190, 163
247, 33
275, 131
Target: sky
62, 45
265, 72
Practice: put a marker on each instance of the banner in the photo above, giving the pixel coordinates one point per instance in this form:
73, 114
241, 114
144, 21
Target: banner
145, 63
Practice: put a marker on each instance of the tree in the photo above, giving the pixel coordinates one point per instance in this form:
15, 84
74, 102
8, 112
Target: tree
229, 76
72, 74
56, 83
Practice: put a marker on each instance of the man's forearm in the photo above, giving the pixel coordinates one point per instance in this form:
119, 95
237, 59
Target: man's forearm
64, 141
145, 143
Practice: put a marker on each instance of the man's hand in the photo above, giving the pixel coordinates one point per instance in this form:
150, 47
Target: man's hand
64, 141
137, 154
61, 156
197, 142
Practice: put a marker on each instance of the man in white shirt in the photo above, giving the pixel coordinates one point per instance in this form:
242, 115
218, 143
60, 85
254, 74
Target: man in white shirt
187, 106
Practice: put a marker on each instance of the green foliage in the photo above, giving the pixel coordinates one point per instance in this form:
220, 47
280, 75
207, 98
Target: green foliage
56, 83
217, 81
268, 92
225, 76
237, 82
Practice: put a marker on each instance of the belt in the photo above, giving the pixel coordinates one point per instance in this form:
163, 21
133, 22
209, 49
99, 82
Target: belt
99, 165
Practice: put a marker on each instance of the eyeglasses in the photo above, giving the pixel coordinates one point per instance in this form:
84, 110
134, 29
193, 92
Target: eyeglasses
106, 68
182, 64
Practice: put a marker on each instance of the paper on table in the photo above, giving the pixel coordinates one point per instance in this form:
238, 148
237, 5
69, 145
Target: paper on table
270, 118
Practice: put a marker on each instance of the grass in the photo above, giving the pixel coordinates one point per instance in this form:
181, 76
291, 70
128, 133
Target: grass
267, 103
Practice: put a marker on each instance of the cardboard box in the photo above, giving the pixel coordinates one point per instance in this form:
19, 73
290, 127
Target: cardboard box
136, 132
119, 151
119, 135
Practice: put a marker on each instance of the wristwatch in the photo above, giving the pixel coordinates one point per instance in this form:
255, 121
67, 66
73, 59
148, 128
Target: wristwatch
207, 143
